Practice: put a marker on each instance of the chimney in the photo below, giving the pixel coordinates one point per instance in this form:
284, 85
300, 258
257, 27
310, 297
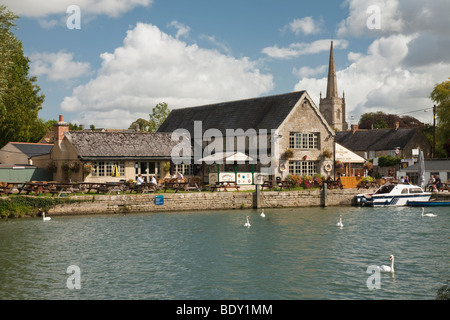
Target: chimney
354, 128
60, 128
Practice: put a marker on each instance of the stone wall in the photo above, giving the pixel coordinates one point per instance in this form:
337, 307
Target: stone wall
99, 204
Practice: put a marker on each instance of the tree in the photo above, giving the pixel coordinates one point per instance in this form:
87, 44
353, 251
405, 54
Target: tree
20, 97
141, 123
441, 96
381, 120
159, 113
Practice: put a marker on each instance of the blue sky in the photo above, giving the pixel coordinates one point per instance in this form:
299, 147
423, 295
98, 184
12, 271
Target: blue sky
130, 55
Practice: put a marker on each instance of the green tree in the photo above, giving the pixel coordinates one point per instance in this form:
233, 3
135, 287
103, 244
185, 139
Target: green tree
159, 113
381, 120
441, 96
20, 97
141, 123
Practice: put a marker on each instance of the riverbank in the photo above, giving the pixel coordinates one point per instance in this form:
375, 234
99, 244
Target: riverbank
165, 202
131, 203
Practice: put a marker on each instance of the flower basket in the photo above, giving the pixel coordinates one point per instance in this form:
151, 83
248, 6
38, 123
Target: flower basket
326, 153
52, 167
288, 154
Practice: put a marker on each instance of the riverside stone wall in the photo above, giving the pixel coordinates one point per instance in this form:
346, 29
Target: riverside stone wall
99, 204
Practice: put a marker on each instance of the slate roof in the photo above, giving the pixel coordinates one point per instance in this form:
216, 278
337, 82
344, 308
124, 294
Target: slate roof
121, 145
257, 113
430, 165
375, 140
33, 149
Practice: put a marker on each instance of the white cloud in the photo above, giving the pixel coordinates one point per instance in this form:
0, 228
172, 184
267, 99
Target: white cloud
305, 25
297, 49
356, 22
39, 9
183, 30
57, 66
308, 72
379, 80
153, 67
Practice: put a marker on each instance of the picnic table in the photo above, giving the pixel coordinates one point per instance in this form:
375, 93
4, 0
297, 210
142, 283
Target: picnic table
224, 185
333, 184
367, 184
145, 187
272, 184
179, 186
6, 188
110, 187
65, 188
36, 187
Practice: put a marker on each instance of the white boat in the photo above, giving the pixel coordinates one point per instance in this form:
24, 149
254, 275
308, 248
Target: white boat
393, 195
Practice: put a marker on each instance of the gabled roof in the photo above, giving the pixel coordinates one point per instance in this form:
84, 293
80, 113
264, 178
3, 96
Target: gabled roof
121, 145
257, 113
374, 140
33, 149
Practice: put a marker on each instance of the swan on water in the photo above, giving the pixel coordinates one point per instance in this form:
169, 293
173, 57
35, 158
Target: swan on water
247, 224
428, 214
262, 214
340, 224
390, 268
45, 218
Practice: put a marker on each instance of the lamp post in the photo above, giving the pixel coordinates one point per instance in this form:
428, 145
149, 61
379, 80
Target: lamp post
434, 132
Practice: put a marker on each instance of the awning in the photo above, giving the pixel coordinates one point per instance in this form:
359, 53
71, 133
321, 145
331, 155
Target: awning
226, 157
345, 155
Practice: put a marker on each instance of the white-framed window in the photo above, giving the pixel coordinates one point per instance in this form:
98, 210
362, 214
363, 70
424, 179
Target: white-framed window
105, 168
299, 140
301, 168
185, 169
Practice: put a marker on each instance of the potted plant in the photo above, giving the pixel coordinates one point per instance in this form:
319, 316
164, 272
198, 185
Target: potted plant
288, 153
326, 153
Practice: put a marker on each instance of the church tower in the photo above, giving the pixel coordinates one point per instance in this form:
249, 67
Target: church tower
332, 107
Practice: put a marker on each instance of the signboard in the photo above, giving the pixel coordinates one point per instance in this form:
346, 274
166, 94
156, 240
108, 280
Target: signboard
397, 151
244, 178
159, 200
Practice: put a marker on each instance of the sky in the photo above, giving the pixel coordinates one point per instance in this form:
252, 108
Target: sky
109, 62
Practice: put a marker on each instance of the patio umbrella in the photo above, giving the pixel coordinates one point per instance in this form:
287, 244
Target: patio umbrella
115, 171
421, 170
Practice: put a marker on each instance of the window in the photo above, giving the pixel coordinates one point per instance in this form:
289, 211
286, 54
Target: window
185, 169
304, 140
105, 168
301, 168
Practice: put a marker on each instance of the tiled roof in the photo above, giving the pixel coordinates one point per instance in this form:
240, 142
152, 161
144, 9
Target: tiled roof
33, 149
257, 113
373, 140
121, 145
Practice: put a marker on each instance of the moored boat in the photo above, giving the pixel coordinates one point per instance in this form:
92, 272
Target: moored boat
393, 195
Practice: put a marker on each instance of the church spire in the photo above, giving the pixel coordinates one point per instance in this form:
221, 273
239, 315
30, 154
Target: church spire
332, 84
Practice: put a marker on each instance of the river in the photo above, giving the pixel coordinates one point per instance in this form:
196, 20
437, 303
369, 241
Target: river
296, 253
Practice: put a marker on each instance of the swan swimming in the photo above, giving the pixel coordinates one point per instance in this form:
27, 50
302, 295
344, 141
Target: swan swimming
340, 224
247, 224
384, 268
44, 218
428, 214
262, 214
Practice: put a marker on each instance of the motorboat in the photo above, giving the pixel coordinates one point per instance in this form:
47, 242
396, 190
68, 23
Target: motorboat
393, 195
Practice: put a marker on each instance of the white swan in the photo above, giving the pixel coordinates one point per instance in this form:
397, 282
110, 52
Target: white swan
44, 218
262, 214
390, 269
428, 214
340, 224
247, 224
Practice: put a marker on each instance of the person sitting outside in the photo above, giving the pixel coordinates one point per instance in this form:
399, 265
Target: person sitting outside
438, 184
180, 176
431, 182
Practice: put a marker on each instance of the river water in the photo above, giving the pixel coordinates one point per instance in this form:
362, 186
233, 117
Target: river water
296, 253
